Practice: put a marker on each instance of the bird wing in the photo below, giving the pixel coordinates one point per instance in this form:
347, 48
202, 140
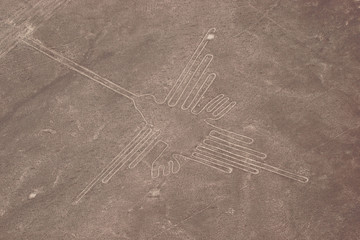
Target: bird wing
139, 146
194, 81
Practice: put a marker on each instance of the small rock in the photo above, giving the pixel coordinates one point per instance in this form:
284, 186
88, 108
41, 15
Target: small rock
230, 211
32, 195
48, 130
154, 192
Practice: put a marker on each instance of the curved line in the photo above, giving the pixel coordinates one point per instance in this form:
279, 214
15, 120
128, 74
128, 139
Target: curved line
172, 170
161, 153
219, 104
221, 107
210, 105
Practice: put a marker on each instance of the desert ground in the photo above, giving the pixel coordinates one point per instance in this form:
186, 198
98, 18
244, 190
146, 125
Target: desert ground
180, 120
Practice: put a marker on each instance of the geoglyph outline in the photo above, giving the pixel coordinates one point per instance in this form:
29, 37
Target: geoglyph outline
221, 150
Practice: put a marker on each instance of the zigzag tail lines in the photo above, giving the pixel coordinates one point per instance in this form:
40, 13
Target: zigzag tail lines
240, 150
191, 92
147, 149
257, 164
222, 110
231, 136
129, 156
240, 153
118, 157
200, 93
189, 65
221, 160
183, 88
210, 163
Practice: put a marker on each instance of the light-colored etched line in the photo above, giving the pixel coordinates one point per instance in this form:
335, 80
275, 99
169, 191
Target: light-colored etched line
211, 105
258, 164
221, 105
118, 157
19, 12
231, 134
24, 14
197, 86
219, 114
78, 68
178, 163
224, 161
235, 147
25, 22
208, 36
28, 13
207, 60
53, 8
150, 146
156, 236
9, 33
225, 145
162, 146
166, 170
218, 105
83, 71
228, 138
44, 11
213, 164
241, 153
133, 152
8, 43
200, 94
186, 82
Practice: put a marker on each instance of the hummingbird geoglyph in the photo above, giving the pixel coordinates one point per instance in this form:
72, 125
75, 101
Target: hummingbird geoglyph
181, 127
